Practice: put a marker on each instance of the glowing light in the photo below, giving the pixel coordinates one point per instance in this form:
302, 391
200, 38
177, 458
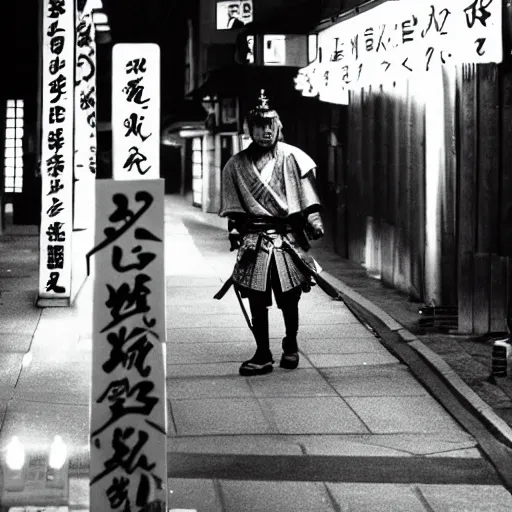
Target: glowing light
27, 359
58, 453
15, 454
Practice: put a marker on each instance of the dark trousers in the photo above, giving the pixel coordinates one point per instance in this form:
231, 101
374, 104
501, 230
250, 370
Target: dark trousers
287, 302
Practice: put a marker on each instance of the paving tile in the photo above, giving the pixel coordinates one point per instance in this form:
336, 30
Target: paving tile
330, 318
207, 387
467, 498
193, 494
64, 381
381, 357
378, 497
390, 380
261, 444
209, 335
420, 444
319, 415
339, 331
402, 414
198, 320
301, 382
203, 370
10, 367
343, 446
272, 496
192, 281
37, 423
219, 416
18, 313
341, 345
13, 342
193, 353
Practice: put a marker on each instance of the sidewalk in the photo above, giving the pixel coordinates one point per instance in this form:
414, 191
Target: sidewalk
351, 429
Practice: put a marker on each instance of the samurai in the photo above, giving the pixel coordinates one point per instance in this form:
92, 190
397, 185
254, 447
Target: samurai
269, 197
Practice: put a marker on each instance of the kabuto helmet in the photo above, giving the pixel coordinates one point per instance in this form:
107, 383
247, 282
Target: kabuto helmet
262, 114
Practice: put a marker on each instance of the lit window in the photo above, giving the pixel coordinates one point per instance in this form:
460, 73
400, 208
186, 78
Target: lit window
13, 163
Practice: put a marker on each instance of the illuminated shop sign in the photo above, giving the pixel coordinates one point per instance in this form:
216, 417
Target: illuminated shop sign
233, 14
57, 153
399, 40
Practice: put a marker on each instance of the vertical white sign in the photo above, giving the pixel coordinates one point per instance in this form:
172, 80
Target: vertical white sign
85, 122
136, 111
128, 469
57, 153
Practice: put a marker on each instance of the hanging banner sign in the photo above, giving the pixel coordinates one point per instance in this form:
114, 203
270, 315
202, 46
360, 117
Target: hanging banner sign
128, 468
398, 40
57, 153
85, 122
136, 111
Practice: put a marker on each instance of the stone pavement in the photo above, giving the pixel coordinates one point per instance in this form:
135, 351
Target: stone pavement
351, 429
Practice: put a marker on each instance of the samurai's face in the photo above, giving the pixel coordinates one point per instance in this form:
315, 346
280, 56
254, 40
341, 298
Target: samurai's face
265, 132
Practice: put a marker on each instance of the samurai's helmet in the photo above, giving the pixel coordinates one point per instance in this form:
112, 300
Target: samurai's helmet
262, 115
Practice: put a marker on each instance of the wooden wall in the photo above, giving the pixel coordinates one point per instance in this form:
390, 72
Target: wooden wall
485, 198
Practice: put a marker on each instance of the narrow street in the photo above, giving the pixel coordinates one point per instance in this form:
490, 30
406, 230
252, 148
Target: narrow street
350, 429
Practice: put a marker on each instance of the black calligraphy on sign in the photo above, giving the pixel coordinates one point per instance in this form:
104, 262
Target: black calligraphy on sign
354, 44
408, 29
126, 399
136, 66
58, 88
56, 65
87, 99
52, 284
136, 159
339, 50
55, 258
56, 8
478, 11
87, 67
125, 302
436, 21
55, 187
133, 126
144, 259
124, 214
84, 38
129, 458
57, 114
368, 39
382, 41
55, 232
134, 354
55, 208
56, 140
55, 165
134, 91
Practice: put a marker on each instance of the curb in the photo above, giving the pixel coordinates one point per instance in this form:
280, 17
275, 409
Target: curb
460, 388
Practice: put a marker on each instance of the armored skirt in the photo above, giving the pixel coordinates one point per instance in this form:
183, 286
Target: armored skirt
270, 210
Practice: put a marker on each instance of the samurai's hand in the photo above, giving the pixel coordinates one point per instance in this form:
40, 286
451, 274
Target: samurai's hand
316, 226
234, 240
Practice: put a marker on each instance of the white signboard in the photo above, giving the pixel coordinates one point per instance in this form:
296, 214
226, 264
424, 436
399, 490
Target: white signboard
128, 469
58, 72
136, 111
85, 122
233, 14
399, 40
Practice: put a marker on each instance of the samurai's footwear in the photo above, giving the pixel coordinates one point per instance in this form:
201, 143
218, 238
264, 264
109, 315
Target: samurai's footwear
289, 361
257, 365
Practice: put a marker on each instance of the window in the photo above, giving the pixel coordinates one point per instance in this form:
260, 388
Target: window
13, 167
